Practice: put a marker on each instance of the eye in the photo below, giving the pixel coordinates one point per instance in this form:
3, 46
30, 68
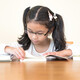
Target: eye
40, 33
30, 31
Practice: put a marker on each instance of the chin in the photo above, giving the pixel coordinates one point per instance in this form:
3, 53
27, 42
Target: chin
35, 42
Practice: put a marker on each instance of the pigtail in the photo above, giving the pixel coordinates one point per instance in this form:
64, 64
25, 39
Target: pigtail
24, 39
58, 33
24, 17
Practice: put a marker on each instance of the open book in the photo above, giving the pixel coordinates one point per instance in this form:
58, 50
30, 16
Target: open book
5, 58
55, 58
44, 58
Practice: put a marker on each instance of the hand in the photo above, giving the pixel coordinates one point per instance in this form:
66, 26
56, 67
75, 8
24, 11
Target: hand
18, 52
63, 53
54, 53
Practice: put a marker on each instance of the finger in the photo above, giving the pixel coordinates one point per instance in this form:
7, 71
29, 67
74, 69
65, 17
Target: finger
50, 53
22, 52
47, 54
18, 54
14, 52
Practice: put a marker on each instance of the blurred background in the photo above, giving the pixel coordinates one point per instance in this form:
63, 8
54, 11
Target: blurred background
11, 13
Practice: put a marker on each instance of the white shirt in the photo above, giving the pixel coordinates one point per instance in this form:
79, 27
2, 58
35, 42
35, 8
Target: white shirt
35, 53
75, 49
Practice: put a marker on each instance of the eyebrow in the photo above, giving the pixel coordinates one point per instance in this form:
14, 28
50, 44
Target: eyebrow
37, 31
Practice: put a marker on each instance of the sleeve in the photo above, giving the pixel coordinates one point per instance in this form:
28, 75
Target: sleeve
2, 46
75, 49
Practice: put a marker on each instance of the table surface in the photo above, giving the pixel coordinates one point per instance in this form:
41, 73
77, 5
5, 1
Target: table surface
50, 70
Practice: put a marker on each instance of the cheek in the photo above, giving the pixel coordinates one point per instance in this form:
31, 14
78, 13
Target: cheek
42, 38
29, 36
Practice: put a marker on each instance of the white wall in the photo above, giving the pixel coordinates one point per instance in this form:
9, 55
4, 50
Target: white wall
11, 11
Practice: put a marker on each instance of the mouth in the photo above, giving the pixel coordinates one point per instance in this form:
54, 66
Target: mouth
34, 41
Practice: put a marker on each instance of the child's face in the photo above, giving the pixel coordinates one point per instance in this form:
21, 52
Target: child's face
36, 32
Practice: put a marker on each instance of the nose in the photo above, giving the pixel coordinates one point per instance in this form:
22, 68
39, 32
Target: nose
34, 36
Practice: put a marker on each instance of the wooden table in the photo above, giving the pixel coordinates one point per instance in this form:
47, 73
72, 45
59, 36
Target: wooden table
51, 70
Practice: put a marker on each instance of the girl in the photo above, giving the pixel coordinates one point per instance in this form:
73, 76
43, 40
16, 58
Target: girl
39, 22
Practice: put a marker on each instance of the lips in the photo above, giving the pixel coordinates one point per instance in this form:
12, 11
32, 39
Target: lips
34, 41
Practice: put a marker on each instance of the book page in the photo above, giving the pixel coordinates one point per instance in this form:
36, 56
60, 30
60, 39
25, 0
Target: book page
33, 58
5, 58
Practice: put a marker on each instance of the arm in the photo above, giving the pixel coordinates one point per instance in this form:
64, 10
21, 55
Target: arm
63, 53
12, 48
18, 52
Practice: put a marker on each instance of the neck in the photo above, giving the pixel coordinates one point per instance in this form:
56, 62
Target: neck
43, 46
46, 42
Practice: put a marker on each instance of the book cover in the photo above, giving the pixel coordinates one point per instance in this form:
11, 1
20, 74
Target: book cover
55, 58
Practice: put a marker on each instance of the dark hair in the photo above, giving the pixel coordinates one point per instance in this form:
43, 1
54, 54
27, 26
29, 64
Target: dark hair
40, 14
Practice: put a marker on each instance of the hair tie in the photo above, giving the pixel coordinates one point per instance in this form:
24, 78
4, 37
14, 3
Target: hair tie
55, 17
50, 16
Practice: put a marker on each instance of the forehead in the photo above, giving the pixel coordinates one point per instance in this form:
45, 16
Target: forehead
36, 26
